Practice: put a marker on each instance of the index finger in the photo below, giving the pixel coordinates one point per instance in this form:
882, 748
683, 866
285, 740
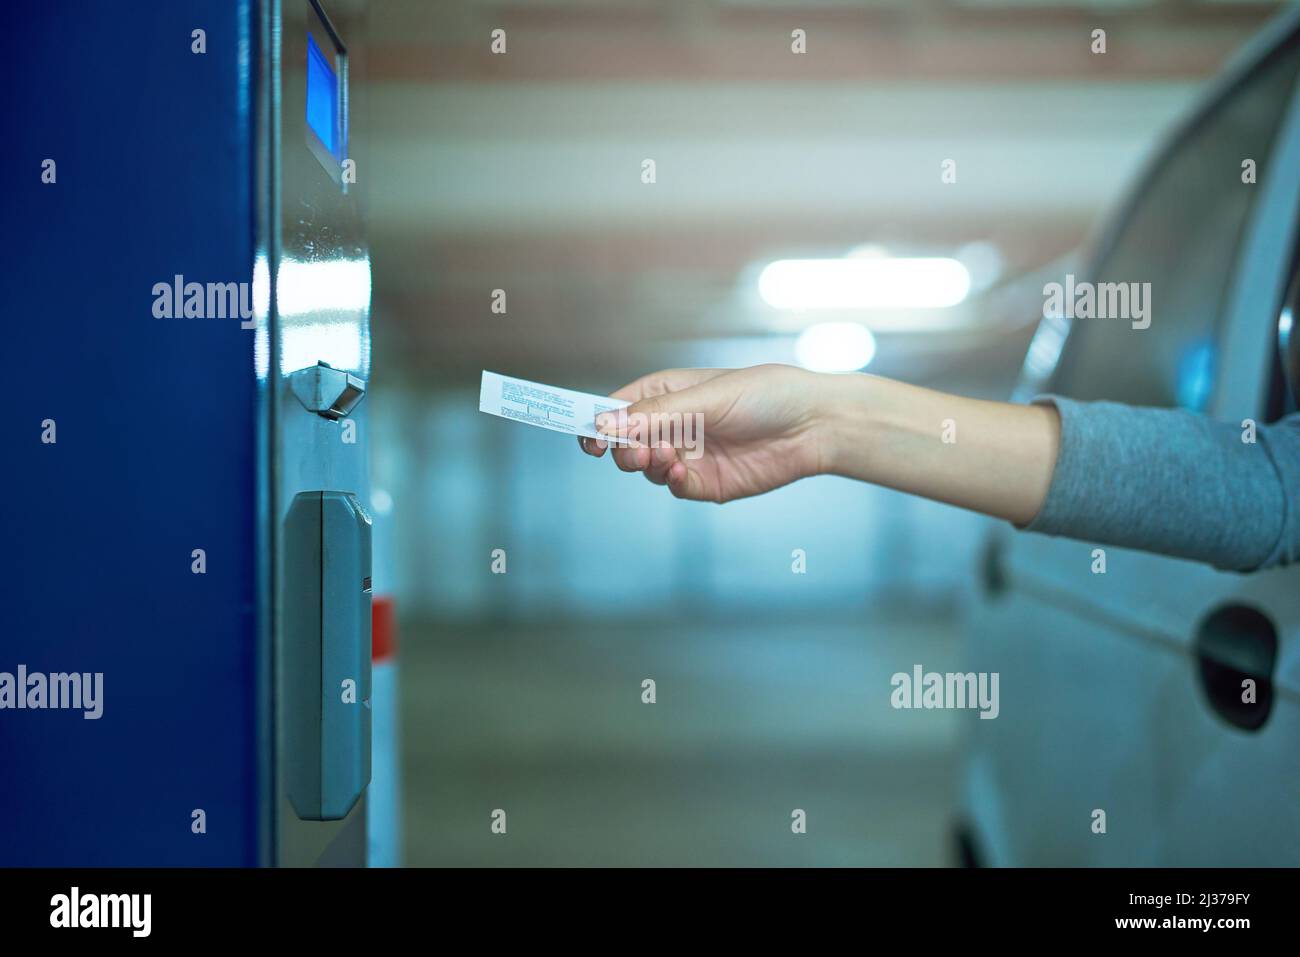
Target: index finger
594, 447
663, 382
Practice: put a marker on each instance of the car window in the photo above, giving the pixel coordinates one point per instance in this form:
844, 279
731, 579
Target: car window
1181, 235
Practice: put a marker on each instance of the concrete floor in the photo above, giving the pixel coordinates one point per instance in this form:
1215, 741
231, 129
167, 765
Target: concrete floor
751, 721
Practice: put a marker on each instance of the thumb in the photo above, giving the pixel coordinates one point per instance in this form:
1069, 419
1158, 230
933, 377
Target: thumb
653, 417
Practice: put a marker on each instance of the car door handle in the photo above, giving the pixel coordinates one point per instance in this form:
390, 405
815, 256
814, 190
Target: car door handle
1236, 650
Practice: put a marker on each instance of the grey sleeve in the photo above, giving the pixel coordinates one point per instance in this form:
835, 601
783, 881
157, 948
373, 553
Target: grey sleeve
1177, 483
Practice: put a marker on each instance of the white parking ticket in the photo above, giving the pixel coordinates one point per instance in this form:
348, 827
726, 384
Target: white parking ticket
545, 406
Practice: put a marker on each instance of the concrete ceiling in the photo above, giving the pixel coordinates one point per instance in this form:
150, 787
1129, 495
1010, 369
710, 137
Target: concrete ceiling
523, 172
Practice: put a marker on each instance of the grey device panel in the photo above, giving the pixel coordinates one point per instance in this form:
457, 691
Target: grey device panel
314, 354
327, 598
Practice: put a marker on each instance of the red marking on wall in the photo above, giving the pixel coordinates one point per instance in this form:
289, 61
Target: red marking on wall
383, 628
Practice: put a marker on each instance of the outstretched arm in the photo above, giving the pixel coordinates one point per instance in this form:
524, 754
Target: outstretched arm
1177, 483
1161, 480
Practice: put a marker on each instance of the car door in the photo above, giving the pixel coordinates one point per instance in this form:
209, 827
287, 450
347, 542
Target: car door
1123, 738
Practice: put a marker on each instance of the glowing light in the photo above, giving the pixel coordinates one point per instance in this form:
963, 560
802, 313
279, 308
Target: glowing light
864, 282
302, 344
835, 347
331, 285
322, 307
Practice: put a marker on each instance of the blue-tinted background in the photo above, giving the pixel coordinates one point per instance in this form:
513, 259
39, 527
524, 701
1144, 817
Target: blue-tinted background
521, 172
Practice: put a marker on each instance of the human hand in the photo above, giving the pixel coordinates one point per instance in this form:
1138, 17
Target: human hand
717, 434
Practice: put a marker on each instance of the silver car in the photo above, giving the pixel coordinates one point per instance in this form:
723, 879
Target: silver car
1125, 736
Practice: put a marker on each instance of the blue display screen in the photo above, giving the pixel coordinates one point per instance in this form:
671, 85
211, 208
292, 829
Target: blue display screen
323, 99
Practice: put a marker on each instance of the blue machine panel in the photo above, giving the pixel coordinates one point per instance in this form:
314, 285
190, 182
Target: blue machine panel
174, 206
151, 460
